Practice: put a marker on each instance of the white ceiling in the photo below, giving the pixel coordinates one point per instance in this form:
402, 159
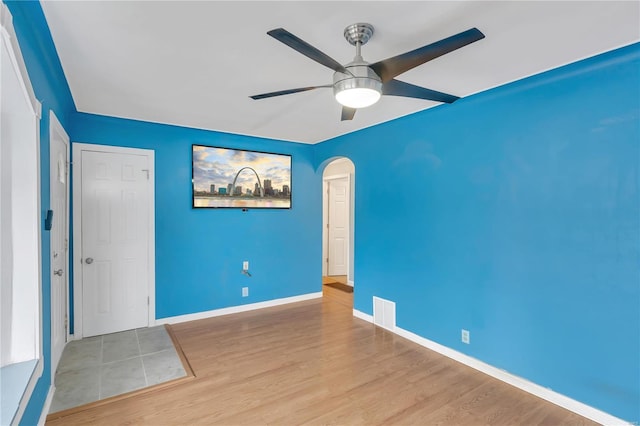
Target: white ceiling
195, 64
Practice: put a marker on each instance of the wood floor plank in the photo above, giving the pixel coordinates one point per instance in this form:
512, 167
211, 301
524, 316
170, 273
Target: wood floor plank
314, 363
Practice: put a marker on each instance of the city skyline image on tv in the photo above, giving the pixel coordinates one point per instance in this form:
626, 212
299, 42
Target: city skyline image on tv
236, 178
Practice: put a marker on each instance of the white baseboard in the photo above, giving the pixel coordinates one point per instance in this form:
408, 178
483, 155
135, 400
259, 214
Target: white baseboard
46, 406
350, 282
363, 316
527, 386
237, 309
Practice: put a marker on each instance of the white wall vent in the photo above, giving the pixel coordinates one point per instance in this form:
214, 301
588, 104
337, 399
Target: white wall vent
384, 313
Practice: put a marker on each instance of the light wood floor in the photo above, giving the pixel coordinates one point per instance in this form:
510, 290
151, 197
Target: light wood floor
314, 363
334, 295
334, 279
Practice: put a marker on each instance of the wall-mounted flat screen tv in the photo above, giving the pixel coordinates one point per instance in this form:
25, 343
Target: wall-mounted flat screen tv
237, 178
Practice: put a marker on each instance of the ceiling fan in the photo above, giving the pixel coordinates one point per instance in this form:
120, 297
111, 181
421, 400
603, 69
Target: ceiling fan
360, 84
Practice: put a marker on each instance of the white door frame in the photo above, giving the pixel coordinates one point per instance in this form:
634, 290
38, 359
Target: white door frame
325, 224
78, 148
57, 131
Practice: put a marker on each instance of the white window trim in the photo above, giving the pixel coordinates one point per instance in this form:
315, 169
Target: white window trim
9, 39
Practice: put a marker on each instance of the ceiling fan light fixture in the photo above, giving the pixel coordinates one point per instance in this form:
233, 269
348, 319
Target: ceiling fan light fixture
357, 92
358, 97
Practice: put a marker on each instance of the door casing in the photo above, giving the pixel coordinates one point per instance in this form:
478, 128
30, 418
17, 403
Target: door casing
77, 149
57, 132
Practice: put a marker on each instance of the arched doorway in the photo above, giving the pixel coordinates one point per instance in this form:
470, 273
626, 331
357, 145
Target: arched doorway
337, 230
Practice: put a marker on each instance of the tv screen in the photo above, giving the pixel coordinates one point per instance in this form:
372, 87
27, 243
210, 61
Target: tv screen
236, 178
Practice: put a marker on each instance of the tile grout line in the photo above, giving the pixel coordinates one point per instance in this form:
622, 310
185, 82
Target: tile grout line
123, 359
157, 352
144, 372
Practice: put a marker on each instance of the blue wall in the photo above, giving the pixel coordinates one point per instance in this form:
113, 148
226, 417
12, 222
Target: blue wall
199, 252
51, 89
514, 214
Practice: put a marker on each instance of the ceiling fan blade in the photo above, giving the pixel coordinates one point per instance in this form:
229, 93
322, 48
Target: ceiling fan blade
286, 92
392, 67
347, 113
400, 88
306, 49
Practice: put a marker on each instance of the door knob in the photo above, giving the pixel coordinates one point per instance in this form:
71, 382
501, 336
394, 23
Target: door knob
88, 260
58, 272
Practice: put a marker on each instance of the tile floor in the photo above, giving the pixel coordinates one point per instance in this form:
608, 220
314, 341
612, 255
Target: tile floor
103, 366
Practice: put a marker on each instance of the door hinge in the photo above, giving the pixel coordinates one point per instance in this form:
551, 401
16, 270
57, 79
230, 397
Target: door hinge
147, 171
327, 260
66, 322
147, 300
66, 244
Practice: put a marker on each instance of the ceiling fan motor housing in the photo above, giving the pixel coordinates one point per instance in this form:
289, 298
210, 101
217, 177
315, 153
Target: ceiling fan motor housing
361, 77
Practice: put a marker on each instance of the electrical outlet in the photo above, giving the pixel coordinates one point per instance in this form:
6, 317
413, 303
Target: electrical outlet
466, 337
245, 291
245, 265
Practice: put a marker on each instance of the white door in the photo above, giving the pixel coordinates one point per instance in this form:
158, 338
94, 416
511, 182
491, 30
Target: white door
59, 181
115, 237
338, 218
